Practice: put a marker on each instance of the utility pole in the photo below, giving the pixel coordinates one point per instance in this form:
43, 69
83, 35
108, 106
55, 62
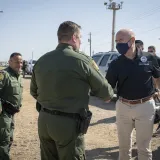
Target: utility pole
113, 6
90, 43
32, 55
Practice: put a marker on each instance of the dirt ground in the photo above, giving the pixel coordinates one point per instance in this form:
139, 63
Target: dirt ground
101, 139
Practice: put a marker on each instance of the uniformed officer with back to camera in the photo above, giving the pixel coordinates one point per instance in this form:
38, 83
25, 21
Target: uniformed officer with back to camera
132, 72
60, 83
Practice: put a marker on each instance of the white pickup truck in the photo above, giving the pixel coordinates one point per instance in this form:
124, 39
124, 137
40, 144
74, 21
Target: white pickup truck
29, 67
31, 63
103, 60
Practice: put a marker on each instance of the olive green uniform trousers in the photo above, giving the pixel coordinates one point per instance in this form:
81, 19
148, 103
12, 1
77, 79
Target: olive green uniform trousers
59, 139
6, 135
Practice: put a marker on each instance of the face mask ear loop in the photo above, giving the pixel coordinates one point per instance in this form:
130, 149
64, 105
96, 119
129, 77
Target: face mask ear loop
128, 41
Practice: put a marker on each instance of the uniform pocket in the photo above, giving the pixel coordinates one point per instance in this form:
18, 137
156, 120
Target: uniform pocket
4, 136
15, 88
5, 123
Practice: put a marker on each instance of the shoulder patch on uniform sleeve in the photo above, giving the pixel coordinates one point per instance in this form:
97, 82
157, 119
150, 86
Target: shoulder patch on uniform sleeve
1, 75
83, 54
94, 65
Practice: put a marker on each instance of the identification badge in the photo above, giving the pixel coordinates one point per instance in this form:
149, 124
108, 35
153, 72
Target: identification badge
143, 64
143, 59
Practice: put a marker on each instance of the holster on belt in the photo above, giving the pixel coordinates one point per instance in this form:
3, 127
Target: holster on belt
84, 121
83, 118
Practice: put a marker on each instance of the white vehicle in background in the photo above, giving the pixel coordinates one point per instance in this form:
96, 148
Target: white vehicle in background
30, 65
103, 60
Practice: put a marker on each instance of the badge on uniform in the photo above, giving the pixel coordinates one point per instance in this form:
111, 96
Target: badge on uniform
143, 59
1, 76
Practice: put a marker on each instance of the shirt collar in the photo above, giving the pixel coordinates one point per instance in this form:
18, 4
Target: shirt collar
13, 72
64, 45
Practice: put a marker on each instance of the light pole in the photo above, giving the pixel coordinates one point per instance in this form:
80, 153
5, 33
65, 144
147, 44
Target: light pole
90, 43
32, 53
113, 6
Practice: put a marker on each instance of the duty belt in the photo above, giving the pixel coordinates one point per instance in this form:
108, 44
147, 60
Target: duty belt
59, 113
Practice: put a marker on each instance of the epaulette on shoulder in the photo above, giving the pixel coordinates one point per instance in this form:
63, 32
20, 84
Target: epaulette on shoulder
84, 54
85, 57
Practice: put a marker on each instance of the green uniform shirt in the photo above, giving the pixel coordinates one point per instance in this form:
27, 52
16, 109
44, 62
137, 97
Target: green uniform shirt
11, 87
62, 79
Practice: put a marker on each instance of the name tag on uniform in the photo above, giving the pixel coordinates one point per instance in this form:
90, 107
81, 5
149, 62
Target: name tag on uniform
143, 64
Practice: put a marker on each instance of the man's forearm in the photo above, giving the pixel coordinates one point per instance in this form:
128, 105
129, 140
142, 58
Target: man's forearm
157, 83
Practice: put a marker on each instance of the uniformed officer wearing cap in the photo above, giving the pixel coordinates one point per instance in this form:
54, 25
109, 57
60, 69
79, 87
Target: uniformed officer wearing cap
61, 82
132, 74
10, 102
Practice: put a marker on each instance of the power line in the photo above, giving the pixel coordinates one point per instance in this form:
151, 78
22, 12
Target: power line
142, 33
147, 15
90, 43
152, 29
141, 16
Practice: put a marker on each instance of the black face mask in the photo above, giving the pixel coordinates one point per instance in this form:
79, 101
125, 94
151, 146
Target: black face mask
122, 47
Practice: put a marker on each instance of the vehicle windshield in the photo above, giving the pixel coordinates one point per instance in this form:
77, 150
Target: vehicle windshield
104, 60
96, 58
33, 62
